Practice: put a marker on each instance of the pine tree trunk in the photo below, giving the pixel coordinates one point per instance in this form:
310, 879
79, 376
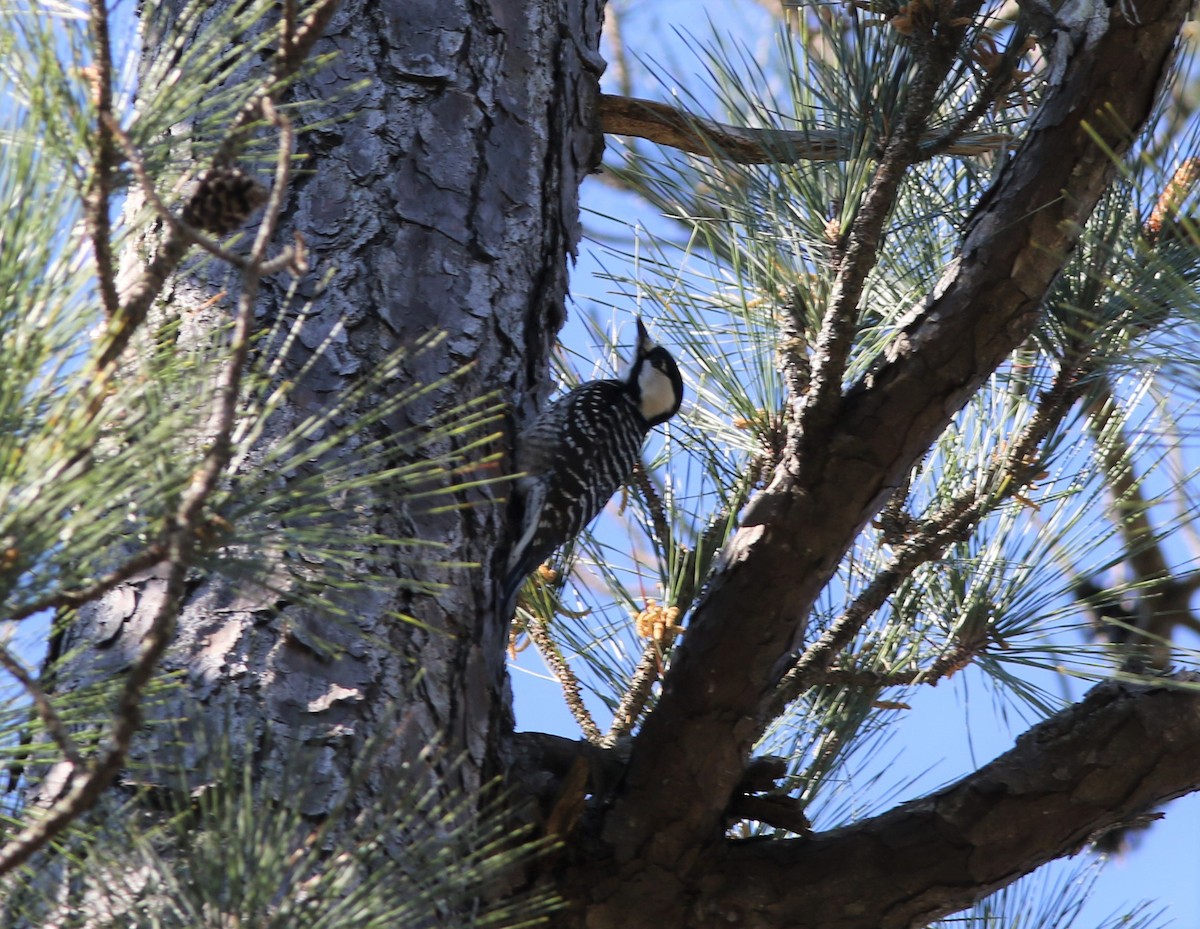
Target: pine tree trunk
443, 195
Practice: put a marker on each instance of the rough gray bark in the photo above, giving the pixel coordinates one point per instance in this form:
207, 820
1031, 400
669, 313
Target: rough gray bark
440, 203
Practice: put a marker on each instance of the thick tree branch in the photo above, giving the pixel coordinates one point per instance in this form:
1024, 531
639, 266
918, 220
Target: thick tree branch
694, 744
677, 128
1123, 750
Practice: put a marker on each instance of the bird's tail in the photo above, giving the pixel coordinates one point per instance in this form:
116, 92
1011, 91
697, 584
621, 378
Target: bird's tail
513, 582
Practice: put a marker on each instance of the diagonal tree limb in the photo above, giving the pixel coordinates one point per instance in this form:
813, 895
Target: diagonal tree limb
88, 782
539, 633
693, 746
636, 695
69, 599
51, 721
1098, 764
191, 235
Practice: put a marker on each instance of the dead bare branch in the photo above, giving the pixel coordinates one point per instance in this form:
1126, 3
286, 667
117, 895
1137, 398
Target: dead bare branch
698, 135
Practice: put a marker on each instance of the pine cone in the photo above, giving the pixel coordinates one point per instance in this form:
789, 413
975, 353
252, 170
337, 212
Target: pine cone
225, 197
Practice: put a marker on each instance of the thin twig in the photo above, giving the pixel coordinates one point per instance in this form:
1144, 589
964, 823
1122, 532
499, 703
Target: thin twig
953, 660
45, 709
181, 535
283, 167
1000, 77
862, 678
857, 258
637, 695
540, 636
97, 201
69, 599
1130, 510
294, 51
191, 234
132, 313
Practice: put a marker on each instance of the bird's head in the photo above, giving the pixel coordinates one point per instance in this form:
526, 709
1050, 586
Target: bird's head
654, 382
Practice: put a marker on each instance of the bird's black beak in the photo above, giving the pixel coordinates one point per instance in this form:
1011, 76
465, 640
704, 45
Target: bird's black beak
645, 344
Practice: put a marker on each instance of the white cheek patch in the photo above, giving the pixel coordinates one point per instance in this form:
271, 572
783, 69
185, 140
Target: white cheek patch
658, 396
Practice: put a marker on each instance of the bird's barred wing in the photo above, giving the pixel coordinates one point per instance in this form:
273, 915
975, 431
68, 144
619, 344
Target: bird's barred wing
575, 456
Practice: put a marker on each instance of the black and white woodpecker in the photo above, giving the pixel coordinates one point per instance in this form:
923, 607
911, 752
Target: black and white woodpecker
580, 451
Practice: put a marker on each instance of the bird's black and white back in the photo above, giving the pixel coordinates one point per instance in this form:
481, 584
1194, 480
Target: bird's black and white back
580, 451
